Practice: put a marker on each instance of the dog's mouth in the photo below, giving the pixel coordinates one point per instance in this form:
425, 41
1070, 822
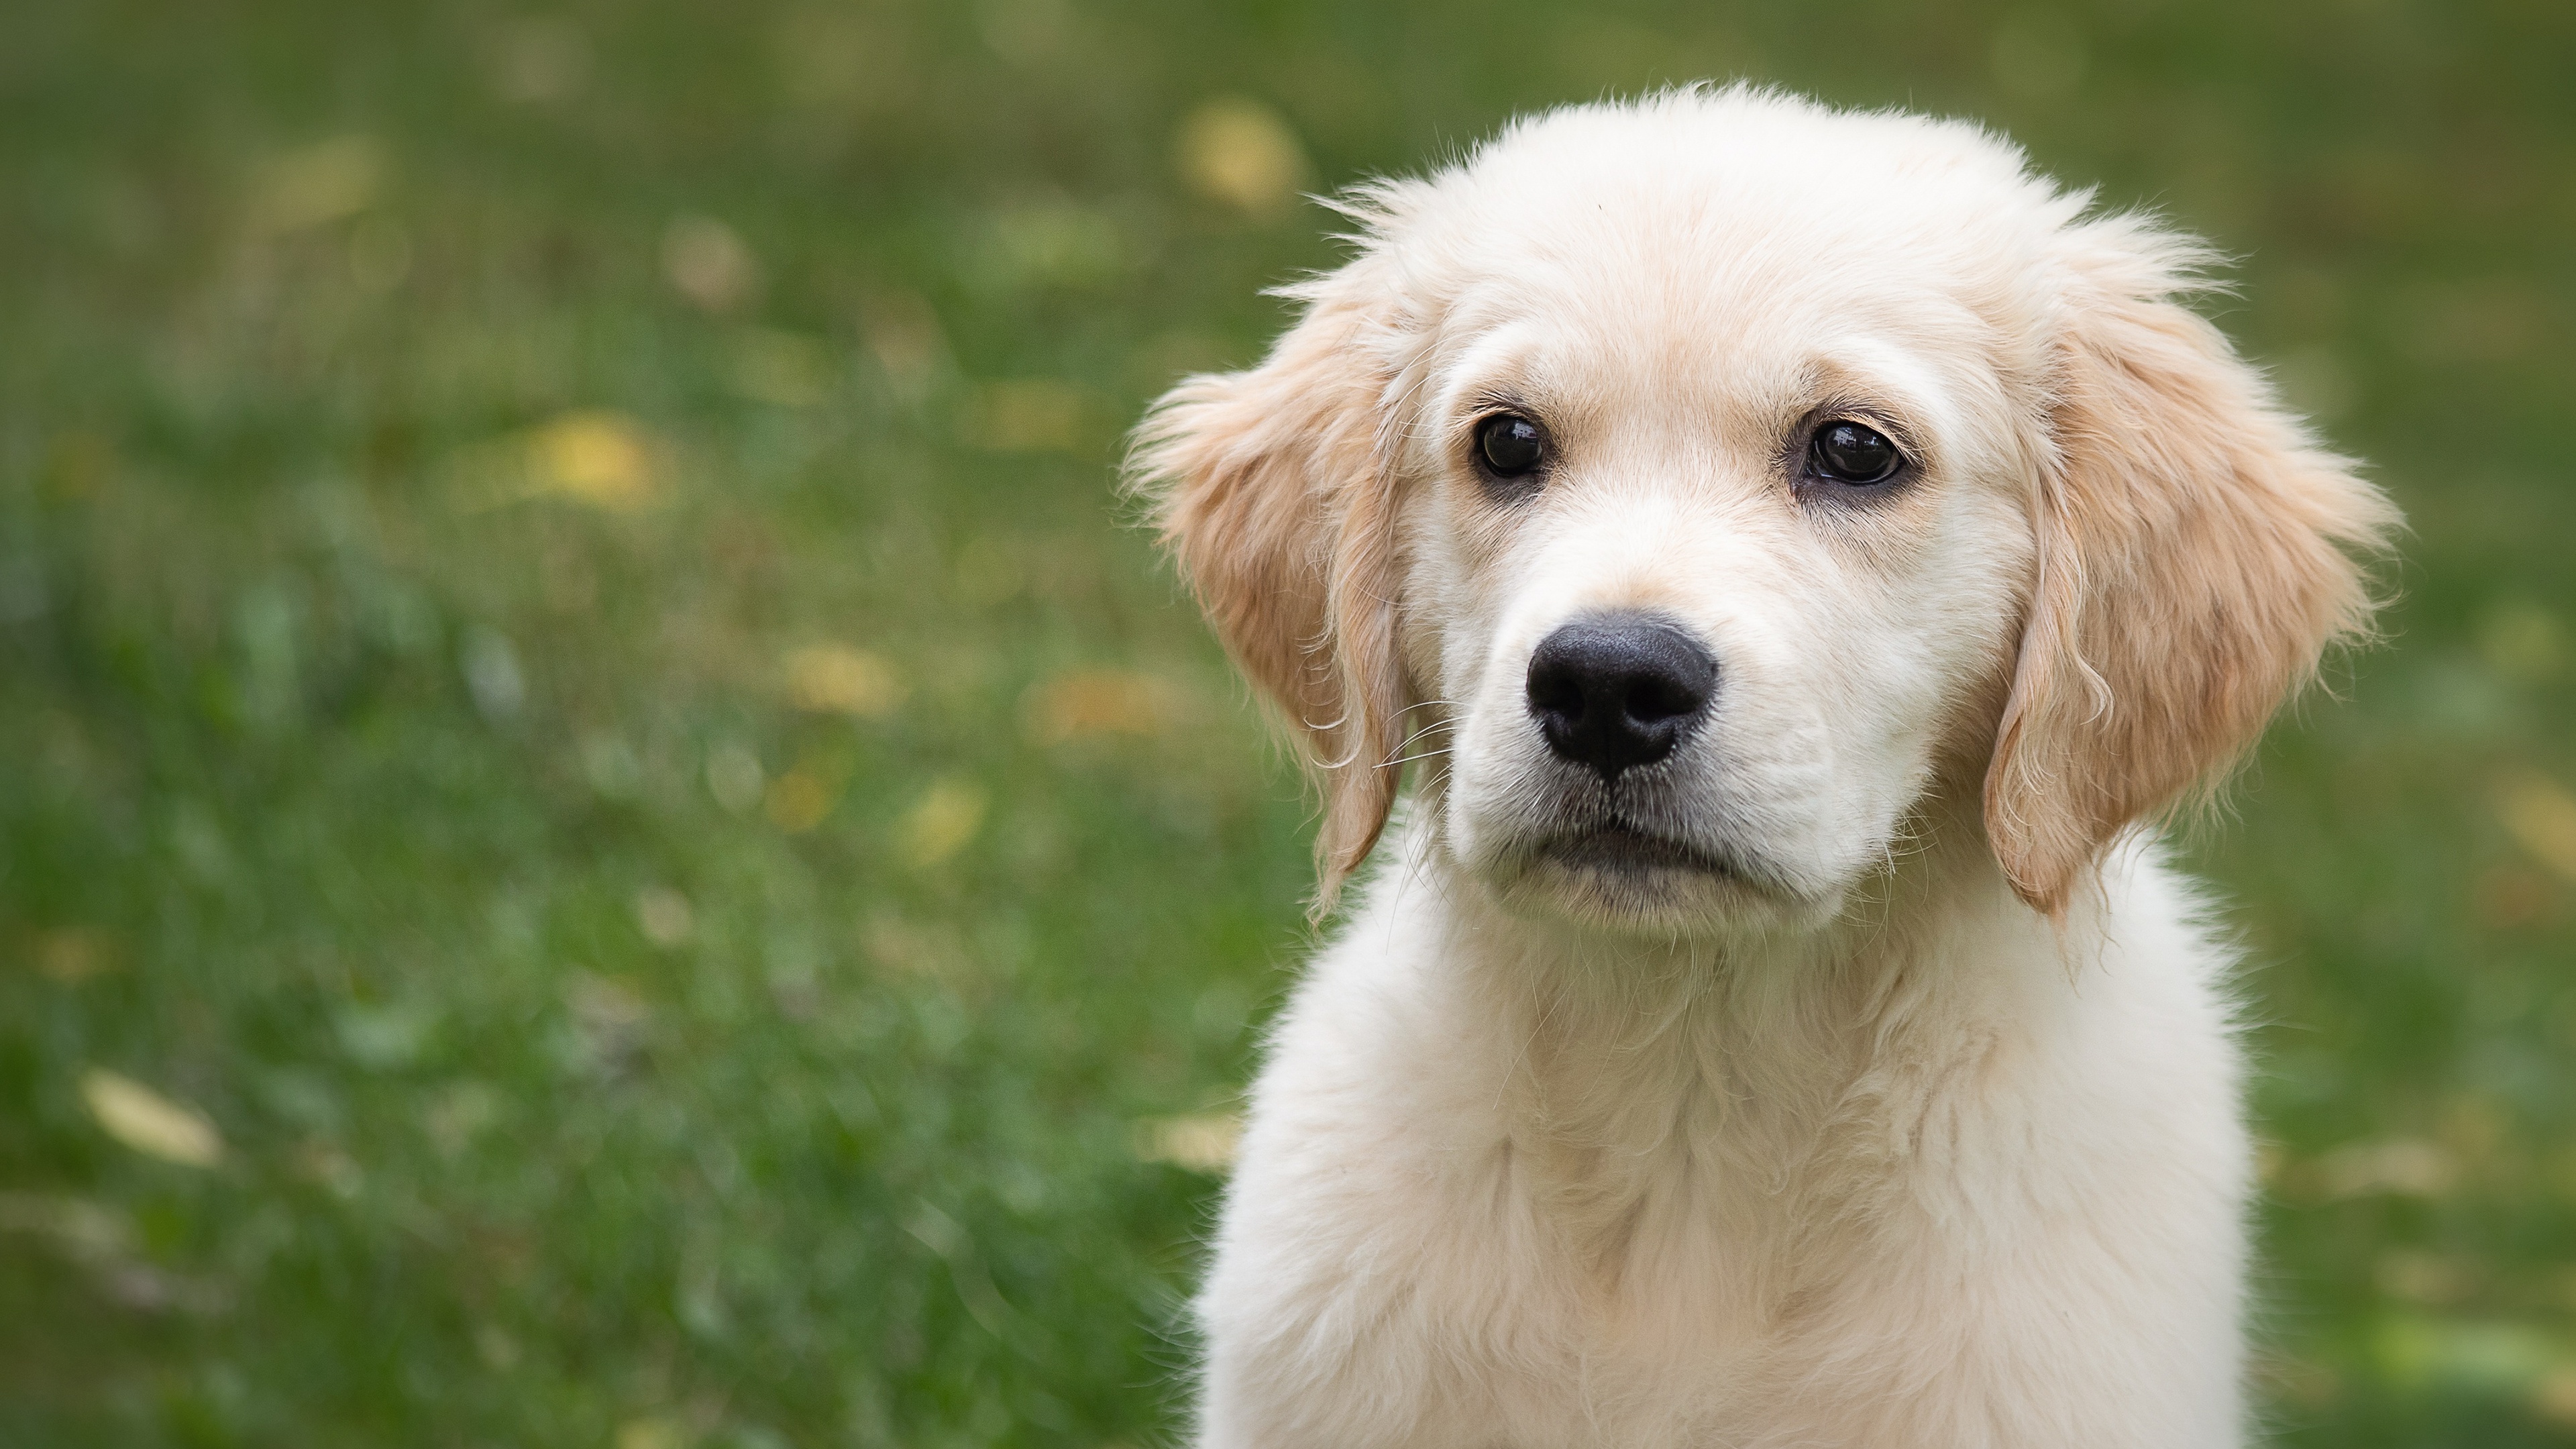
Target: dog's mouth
1610, 871
1623, 849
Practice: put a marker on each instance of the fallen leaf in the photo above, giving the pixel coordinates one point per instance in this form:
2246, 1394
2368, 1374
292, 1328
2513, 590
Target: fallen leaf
459, 1113
801, 799
606, 1005
933, 951
148, 1122
1201, 1142
2429, 1278
903, 336
90, 1232
600, 458
1101, 702
73, 955
2541, 817
323, 1163
837, 679
611, 1022
709, 263
942, 821
2403, 1167
651, 1433
540, 59
664, 916
2553, 1398
1240, 152
1031, 415
322, 182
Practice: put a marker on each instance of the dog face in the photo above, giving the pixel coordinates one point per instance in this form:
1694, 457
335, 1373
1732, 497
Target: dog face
1756, 539
1701, 487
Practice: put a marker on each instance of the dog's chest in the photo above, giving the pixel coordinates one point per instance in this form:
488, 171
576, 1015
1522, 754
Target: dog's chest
1687, 1260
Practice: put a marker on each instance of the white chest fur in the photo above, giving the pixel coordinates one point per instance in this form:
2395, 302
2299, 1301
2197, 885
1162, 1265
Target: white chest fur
1950, 1177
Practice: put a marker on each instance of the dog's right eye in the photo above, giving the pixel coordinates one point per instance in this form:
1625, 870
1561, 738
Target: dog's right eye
1855, 453
1511, 445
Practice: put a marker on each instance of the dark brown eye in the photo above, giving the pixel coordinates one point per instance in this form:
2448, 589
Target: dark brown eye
1847, 452
1510, 445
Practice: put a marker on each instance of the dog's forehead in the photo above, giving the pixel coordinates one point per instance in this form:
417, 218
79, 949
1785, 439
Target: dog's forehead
1756, 241
1745, 320
1745, 299
1630, 258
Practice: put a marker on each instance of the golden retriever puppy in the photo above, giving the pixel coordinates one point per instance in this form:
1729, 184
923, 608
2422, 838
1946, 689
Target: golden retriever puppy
1796, 553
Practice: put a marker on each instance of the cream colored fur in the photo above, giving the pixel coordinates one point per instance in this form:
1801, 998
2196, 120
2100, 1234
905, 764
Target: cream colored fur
1918, 1123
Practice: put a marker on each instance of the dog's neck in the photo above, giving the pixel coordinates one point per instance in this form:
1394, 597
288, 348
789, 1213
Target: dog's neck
1749, 1057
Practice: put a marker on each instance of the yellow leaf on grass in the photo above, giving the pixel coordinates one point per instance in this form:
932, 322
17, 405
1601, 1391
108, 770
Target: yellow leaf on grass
903, 336
1240, 152
2541, 817
1031, 415
665, 916
148, 1122
1101, 702
709, 264
836, 679
322, 182
2554, 1397
802, 798
600, 458
2400, 1167
72, 956
1201, 1142
651, 1432
942, 821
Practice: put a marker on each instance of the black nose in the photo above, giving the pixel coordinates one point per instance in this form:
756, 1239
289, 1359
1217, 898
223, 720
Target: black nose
1616, 690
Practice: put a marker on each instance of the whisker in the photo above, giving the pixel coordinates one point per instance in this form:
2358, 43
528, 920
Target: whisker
1412, 759
1420, 733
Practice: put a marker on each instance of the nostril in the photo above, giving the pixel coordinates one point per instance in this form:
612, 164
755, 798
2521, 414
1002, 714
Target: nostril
1556, 688
1657, 699
1616, 690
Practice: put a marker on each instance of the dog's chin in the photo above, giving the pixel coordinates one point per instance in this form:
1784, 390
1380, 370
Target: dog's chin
1616, 877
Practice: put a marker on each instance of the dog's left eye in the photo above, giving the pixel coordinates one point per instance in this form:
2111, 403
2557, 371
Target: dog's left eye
1511, 445
1844, 451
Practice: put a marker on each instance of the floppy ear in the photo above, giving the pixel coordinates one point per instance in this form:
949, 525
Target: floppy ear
1272, 490
2191, 567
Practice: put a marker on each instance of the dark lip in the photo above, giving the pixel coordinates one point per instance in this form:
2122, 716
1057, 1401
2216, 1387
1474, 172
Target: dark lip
1620, 846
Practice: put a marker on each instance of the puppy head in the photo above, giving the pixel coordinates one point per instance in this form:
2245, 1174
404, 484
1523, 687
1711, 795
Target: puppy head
1714, 489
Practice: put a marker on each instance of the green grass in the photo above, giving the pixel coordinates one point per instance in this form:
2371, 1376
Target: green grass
607, 1049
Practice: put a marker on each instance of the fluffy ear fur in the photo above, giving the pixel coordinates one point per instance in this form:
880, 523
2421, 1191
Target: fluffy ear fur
2192, 567
1272, 490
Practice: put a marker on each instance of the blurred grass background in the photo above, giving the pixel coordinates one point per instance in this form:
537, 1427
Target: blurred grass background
606, 840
